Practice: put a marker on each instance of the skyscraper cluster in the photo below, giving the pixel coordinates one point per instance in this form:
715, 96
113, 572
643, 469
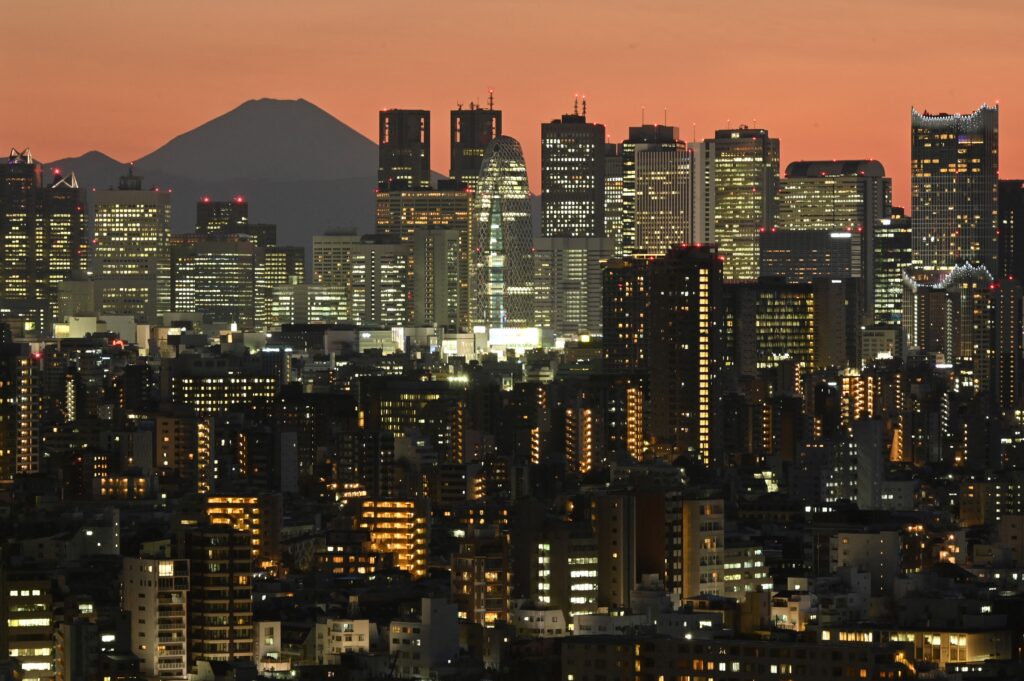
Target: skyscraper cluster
685, 413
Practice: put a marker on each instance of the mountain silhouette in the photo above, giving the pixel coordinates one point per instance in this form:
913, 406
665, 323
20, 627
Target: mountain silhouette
298, 166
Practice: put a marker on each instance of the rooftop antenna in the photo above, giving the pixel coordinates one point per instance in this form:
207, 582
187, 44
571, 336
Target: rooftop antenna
459, 105
664, 114
576, 105
695, 132
584, 106
643, 115
490, 99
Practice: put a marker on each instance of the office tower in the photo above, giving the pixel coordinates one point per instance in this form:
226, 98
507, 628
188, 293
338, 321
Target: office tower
214, 275
437, 283
736, 178
827, 216
771, 321
404, 149
500, 288
132, 248
572, 176
374, 271
154, 593
472, 130
411, 216
1011, 229
220, 593
212, 385
892, 257
567, 283
656, 195
685, 350
613, 196
398, 529
400, 212
220, 217
63, 253
20, 179
276, 266
954, 171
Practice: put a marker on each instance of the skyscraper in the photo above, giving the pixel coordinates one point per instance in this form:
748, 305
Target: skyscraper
132, 248
217, 217
613, 196
401, 212
656, 196
472, 130
373, 271
1011, 229
736, 177
891, 258
215, 276
954, 174
567, 283
500, 291
404, 149
61, 250
20, 179
572, 176
685, 345
826, 219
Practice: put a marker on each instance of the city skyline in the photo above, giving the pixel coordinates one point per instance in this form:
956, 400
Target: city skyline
812, 95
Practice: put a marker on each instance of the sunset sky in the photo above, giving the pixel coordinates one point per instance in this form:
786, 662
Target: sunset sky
830, 78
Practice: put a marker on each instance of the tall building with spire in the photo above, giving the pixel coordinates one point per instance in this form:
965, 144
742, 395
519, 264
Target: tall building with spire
404, 149
500, 266
42, 239
472, 130
736, 178
954, 187
572, 176
656, 196
132, 254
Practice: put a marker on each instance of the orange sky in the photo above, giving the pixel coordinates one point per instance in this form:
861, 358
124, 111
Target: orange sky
831, 78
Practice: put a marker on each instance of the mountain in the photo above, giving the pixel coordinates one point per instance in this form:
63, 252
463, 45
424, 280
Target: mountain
298, 166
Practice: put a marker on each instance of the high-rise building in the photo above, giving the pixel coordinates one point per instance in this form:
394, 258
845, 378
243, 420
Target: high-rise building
132, 245
1011, 229
656, 195
20, 180
613, 196
373, 270
572, 176
736, 175
154, 592
567, 283
214, 275
891, 258
42, 240
500, 267
685, 350
1006, 314
62, 254
220, 217
472, 130
954, 175
438, 289
258, 516
276, 266
404, 149
28, 612
400, 212
624, 316
826, 219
